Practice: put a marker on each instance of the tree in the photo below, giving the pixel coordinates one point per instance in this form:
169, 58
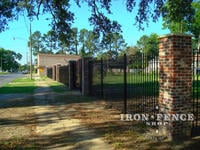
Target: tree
148, 45
113, 43
82, 40
9, 60
185, 25
177, 14
74, 41
50, 42
62, 17
194, 27
37, 45
92, 43
89, 41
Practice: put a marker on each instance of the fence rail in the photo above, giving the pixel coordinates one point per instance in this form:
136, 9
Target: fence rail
129, 83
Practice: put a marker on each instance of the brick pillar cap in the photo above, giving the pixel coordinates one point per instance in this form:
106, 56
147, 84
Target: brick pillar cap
175, 34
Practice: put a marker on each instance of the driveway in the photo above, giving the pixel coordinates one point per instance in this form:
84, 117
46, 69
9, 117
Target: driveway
6, 78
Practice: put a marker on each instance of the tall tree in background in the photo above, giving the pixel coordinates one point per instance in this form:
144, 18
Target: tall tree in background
50, 42
89, 42
92, 43
113, 43
148, 45
82, 39
74, 42
37, 45
9, 60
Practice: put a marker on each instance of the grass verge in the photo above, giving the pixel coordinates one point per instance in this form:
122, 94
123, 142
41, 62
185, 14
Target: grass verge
19, 85
2, 73
56, 86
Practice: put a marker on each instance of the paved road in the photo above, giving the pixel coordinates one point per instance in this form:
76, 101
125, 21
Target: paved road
9, 77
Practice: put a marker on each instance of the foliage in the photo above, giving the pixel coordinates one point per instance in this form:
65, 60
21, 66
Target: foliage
195, 25
49, 40
148, 45
184, 24
113, 43
24, 67
74, 42
36, 42
62, 17
46, 43
8, 60
89, 42
178, 14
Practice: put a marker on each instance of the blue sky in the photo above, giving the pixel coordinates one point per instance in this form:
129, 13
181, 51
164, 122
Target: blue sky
17, 36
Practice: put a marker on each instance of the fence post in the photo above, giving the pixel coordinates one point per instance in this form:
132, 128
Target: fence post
54, 72
125, 84
86, 76
58, 72
175, 58
72, 74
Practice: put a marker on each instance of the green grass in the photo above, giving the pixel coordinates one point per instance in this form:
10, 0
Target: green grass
138, 84
2, 73
57, 86
19, 85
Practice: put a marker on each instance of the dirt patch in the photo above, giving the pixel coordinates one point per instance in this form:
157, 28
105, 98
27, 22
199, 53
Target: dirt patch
16, 120
125, 135
49, 120
55, 127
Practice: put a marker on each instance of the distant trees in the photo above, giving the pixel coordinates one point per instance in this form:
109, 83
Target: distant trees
114, 43
8, 60
148, 44
84, 42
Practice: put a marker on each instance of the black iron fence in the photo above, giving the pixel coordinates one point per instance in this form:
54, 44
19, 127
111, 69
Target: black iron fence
196, 96
129, 83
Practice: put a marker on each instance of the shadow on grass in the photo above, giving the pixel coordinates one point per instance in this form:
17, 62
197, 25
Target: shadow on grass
17, 89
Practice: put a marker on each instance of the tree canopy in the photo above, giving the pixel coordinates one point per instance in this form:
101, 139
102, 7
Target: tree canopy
8, 60
62, 17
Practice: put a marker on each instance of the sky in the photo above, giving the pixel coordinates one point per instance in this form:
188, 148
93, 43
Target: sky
16, 37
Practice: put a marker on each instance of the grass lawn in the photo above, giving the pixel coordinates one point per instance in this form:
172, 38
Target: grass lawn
57, 86
138, 84
20, 85
3, 73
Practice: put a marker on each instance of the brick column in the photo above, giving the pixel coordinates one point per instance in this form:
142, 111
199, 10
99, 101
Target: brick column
86, 76
58, 72
175, 58
72, 74
54, 72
